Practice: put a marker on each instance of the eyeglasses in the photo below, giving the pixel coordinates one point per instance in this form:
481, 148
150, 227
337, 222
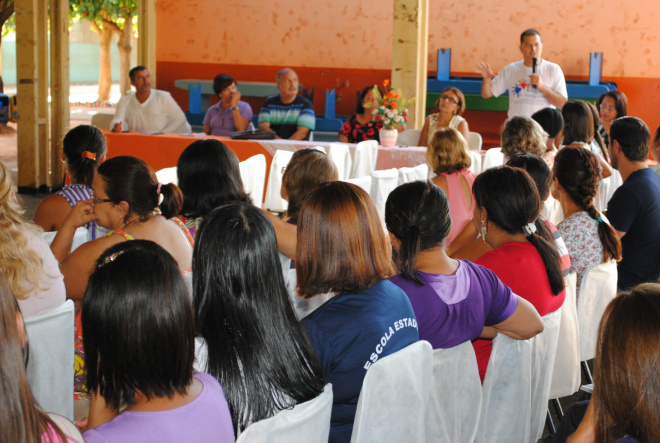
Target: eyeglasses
449, 99
96, 200
604, 107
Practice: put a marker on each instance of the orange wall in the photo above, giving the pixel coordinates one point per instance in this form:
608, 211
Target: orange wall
347, 44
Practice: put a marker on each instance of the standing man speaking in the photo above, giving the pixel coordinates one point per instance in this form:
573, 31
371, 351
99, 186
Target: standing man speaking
533, 83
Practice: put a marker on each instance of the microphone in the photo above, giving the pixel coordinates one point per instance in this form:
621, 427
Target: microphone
534, 61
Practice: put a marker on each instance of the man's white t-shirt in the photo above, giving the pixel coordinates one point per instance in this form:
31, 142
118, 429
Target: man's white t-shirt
158, 113
524, 99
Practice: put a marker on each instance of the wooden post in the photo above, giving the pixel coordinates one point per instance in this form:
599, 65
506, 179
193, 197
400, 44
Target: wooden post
409, 55
59, 86
27, 81
147, 37
43, 152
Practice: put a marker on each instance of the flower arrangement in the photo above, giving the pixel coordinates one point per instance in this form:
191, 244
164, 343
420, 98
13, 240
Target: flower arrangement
392, 107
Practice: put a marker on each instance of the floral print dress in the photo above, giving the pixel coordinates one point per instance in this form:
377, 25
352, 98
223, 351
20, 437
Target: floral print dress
580, 233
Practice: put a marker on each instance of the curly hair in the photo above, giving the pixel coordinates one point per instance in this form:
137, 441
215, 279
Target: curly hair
19, 263
523, 135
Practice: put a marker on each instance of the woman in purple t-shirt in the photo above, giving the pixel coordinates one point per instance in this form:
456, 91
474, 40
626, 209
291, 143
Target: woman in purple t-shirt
454, 300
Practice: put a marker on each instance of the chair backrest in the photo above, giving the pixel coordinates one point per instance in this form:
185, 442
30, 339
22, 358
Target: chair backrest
598, 288
606, 189
253, 175
566, 377
363, 182
475, 167
552, 211
50, 367
455, 403
516, 388
422, 171
102, 121
273, 200
394, 397
306, 422
407, 174
475, 141
409, 137
364, 161
302, 307
493, 158
79, 237
382, 183
167, 175
339, 153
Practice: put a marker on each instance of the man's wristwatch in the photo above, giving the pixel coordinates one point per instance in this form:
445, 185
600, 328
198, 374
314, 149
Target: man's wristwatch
234, 108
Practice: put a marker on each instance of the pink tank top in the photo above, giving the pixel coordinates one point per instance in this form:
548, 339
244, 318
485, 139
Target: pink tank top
459, 212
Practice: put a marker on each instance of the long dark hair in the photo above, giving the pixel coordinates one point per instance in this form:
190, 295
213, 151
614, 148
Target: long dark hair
84, 138
512, 201
257, 348
21, 417
209, 177
578, 173
417, 213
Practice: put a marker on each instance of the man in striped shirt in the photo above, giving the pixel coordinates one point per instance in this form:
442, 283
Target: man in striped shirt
288, 115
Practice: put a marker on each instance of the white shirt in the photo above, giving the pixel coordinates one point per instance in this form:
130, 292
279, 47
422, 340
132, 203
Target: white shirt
523, 98
158, 113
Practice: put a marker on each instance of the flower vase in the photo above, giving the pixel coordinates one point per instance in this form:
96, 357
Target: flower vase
388, 137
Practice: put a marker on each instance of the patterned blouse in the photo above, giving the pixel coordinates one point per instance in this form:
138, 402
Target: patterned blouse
356, 132
580, 233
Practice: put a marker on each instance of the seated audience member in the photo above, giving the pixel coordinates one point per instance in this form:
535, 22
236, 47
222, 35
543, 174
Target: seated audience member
552, 123
448, 155
655, 150
125, 199
598, 139
450, 105
342, 249
83, 149
288, 115
588, 236
209, 176
624, 407
148, 109
522, 135
634, 209
145, 366
266, 364
454, 300
524, 254
579, 131
31, 270
21, 417
230, 113
362, 126
611, 105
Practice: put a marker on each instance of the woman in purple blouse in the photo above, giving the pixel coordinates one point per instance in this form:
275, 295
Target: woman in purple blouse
230, 113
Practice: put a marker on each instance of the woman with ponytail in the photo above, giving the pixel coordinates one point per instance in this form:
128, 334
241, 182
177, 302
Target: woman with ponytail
83, 148
588, 236
454, 300
524, 253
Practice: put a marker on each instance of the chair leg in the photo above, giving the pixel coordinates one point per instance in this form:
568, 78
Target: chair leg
560, 411
550, 424
587, 372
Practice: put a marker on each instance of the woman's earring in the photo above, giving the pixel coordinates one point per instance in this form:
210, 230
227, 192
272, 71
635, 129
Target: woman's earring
483, 231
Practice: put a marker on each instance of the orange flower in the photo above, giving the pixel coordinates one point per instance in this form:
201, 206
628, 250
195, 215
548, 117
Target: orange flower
386, 83
393, 105
390, 94
397, 96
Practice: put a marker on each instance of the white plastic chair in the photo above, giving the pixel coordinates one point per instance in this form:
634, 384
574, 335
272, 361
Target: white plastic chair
475, 141
306, 422
394, 397
102, 120
302, 307
409, 137
598, 288
552, 211
339, 153
383, 182
79, 237
516, 388
273, 201
167, 175
493, 158
455, 403
253, 175
364, 160
475, 167
406, 175
422, 171
606, 190
50, 367
362, 182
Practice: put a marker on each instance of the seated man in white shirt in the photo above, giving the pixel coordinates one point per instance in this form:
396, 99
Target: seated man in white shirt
148, 109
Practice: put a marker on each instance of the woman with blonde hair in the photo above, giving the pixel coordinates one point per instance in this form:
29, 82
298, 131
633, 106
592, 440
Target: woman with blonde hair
449, 157
26, 262
450, 105
522, 135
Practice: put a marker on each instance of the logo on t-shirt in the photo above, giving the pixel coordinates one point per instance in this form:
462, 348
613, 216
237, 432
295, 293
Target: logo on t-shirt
380, 347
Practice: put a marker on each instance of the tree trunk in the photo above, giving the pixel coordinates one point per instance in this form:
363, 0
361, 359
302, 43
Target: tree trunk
124, 46
105, 72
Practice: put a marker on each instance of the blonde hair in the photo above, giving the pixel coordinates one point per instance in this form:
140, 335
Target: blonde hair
19, 264
523, 135
448, 151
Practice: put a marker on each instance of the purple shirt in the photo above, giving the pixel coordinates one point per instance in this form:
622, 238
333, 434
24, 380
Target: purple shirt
205, 419
452, 309
222, 122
